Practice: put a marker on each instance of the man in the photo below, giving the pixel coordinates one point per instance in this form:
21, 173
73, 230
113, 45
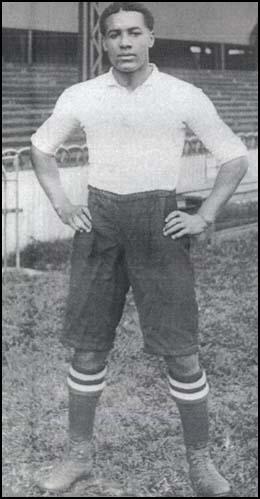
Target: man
131, 232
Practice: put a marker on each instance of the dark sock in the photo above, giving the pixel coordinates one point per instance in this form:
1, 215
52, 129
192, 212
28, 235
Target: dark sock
195, 424
191, 396
84, 392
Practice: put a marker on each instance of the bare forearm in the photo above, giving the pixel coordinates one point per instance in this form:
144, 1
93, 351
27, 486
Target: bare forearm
227, 181
47, 172
77, 217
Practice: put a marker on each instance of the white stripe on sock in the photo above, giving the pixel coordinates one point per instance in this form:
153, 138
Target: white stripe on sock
189, 386
190, 397
87, 377
86, 388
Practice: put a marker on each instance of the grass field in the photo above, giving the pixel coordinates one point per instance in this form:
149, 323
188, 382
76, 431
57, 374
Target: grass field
138, 435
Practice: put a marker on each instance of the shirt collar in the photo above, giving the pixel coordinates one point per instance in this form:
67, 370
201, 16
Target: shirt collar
112, 82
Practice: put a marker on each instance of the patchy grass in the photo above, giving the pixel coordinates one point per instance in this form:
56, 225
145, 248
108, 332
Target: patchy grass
138, 434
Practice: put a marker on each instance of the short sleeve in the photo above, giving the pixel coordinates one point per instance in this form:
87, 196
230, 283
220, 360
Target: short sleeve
214, 133
58, 127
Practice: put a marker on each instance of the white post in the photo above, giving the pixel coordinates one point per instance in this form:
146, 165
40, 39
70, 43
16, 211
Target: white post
5, 217
17, 242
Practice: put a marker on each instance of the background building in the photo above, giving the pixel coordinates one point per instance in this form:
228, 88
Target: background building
206, 35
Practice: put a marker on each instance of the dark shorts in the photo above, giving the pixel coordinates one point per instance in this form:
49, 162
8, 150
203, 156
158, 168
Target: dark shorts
126, 247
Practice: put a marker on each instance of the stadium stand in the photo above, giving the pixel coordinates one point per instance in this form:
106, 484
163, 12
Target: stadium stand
29, 94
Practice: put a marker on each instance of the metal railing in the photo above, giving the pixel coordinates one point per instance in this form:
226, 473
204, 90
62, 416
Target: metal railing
11, 155
194, 146
13, 161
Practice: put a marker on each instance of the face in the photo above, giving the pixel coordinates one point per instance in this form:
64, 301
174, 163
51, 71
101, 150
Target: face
128, 41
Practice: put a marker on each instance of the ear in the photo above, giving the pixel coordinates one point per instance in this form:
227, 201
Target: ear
104, 43
152, 39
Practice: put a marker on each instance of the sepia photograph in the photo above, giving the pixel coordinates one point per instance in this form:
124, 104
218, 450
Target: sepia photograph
129, 249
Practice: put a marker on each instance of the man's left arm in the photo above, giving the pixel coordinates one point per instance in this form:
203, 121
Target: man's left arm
227, 181
229, 151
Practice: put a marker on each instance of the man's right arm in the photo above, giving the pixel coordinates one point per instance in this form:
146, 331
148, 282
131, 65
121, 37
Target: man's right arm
45, 166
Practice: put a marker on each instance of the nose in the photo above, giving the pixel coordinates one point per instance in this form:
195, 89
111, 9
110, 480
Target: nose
125, 41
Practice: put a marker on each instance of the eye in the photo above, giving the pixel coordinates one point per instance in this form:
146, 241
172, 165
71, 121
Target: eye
113, 36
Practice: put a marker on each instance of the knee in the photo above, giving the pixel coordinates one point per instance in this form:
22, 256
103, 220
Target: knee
183, 365
89, 361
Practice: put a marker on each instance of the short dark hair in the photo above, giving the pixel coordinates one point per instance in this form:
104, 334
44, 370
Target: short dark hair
115, 7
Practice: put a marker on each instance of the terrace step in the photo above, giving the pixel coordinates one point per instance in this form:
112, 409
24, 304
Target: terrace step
30, 94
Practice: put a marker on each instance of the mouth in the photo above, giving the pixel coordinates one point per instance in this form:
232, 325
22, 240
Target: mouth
126, 56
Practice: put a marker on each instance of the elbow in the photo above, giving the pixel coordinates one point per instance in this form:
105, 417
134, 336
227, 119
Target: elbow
32, 154
239, 167
243, 166
34, 151
38, 155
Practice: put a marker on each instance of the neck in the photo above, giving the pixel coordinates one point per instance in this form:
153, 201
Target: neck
134, 79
